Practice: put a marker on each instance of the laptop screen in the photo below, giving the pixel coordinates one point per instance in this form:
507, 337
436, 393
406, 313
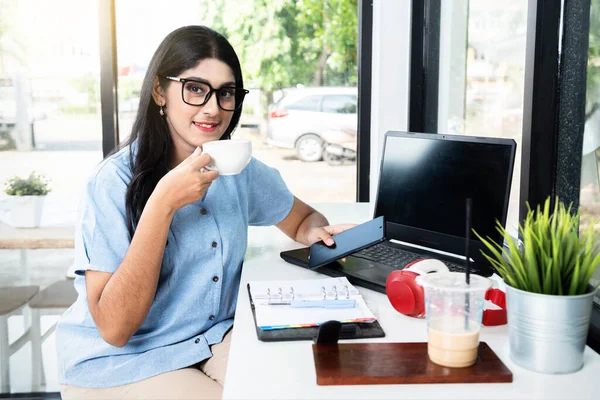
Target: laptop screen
425, 180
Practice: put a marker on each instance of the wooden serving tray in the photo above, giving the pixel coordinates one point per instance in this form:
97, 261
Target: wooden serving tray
393, 363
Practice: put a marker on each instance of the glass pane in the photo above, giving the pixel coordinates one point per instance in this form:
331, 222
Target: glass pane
304, 103
482, 69
590, 166
49, 123
339, 104
135, 47
292, 54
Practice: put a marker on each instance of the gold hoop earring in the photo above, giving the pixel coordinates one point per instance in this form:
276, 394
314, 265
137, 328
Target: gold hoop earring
161, 111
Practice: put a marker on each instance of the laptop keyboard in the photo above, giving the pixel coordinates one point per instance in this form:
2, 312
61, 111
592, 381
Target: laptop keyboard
398, 258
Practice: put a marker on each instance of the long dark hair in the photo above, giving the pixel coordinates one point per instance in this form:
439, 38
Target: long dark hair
181, 50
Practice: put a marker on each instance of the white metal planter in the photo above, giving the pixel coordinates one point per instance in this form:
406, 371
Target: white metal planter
24, 211
548, 333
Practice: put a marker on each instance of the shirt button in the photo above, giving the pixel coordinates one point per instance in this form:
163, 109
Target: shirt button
214, 244
215, 278
197, 341
212, 317
203, 211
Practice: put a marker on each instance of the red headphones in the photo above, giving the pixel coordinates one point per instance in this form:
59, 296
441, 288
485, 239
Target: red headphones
405, 294
408, 297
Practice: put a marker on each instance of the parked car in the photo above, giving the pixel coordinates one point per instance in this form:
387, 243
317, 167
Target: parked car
299, 119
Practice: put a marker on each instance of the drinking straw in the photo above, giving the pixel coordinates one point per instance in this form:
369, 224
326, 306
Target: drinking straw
468, 260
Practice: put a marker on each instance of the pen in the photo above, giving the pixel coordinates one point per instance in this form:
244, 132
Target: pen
323, 303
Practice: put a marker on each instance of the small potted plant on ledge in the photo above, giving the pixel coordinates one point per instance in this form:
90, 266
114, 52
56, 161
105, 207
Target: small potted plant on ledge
26, 199
548, 298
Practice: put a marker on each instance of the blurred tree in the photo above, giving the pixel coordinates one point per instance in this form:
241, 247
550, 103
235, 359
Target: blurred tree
213, 13
336, 36
283, 43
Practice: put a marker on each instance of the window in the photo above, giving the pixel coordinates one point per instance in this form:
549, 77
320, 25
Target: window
481, 79
308, 103
284, 47
339, 104
49, 78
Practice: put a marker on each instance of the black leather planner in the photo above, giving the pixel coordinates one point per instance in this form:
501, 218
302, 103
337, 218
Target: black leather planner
353, 330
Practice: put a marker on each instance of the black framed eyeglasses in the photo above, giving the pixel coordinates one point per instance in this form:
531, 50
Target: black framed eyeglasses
197, 93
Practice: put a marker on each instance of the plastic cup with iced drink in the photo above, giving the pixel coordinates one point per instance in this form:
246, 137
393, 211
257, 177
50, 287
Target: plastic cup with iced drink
454, 310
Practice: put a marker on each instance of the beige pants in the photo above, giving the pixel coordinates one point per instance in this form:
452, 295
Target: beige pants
202, 381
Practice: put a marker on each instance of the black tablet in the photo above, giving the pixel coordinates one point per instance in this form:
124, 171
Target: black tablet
347, 242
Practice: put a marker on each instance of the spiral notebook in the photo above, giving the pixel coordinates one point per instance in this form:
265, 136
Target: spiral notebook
273, 303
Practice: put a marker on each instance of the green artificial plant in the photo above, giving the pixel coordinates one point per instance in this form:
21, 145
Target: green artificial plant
34, 185
554, 260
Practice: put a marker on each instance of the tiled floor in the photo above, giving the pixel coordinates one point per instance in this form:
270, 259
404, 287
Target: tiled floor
44, 267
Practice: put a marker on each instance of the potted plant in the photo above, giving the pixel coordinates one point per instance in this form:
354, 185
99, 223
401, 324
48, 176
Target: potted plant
548, 298
26, 200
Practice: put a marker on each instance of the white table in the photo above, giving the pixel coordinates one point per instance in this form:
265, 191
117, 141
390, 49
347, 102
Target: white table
285, 370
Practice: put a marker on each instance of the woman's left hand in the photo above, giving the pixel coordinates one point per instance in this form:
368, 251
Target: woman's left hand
324, 233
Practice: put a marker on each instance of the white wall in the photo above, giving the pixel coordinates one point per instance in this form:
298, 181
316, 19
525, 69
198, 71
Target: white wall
390, 77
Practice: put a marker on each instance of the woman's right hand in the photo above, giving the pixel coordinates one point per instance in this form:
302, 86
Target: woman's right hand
186, 183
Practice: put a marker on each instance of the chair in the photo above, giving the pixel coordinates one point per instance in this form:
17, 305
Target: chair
12, 301
53, 300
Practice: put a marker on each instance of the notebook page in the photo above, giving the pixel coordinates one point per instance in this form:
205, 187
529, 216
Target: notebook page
270, 316
303, 289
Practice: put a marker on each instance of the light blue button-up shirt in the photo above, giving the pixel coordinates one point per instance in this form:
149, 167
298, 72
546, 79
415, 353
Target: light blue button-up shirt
199, 278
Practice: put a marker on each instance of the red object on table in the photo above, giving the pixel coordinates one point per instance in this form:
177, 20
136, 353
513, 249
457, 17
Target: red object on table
495, 317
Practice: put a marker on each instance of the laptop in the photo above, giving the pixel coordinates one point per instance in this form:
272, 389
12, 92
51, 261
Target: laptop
424, 182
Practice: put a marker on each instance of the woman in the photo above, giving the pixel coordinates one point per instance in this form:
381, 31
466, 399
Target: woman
161, 240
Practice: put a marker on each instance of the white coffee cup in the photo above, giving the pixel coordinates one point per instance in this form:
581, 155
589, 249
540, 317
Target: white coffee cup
229, 157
